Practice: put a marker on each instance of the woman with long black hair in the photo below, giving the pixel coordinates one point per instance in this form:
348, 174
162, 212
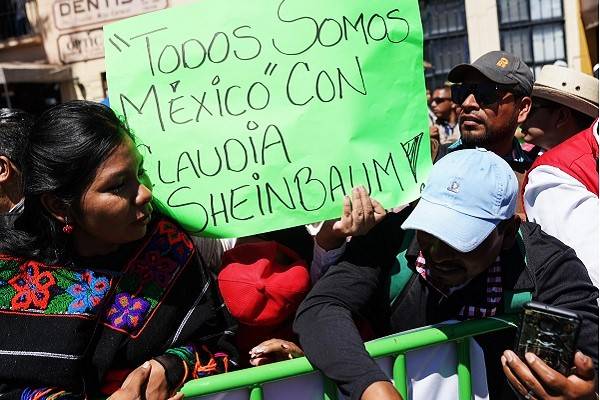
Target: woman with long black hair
98, 289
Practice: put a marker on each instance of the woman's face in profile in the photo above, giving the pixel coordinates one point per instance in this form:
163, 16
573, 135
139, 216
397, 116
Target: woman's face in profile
116, 208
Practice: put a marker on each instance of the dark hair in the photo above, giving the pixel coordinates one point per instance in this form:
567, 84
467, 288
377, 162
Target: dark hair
15, 126
66, 146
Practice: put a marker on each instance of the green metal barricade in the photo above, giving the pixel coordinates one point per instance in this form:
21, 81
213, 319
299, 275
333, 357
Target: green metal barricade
396, 346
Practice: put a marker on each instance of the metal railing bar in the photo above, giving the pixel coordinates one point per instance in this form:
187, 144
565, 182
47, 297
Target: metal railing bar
256, 393
383, 347
463, 369
399, 375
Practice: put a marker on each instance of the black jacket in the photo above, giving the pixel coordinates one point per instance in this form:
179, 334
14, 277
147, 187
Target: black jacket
358, 287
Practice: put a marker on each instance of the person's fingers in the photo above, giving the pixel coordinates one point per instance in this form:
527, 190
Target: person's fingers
138, 376
524, 374
347, 208
274, 345
345, 221
514, 381
157, 388
176, 396
357, 209
255, 362
365, 201
266, 347
549, 377
274, 349
584, 366
378, 210
292, 349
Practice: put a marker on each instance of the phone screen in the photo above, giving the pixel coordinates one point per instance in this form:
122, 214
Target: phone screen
551, 334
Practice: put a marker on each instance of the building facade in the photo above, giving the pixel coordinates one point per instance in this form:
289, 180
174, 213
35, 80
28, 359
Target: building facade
539, 31
52, 50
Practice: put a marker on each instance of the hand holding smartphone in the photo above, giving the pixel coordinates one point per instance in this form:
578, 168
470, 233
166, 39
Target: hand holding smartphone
550, 333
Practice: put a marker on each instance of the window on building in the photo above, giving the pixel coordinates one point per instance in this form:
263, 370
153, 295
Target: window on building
534, 30
13, 19
445, 38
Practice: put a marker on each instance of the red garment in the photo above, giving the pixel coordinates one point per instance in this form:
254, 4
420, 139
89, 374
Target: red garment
113, 380
263, 283
576, 156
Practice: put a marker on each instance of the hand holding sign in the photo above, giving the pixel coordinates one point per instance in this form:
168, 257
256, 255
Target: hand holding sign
254, 117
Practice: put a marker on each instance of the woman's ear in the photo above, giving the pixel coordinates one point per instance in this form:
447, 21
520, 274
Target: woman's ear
55, 206
509, 231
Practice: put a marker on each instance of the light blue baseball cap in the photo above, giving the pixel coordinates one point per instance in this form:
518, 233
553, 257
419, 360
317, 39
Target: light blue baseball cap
468, 193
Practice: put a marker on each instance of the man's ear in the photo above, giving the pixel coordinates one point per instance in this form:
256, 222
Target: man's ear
524, 108
6, 169
55, 206
510, 231
563, 116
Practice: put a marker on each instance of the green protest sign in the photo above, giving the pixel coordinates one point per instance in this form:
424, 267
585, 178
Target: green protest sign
255, 116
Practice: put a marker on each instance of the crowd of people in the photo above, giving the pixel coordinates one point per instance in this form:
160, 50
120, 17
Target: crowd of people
101, 293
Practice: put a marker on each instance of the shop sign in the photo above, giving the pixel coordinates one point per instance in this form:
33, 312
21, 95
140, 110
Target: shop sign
81, 46
70, 14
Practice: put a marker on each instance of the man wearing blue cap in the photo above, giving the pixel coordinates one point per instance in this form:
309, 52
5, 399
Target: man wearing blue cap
472, 253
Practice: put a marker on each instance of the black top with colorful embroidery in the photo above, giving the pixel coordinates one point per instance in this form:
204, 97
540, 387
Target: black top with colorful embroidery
78, 330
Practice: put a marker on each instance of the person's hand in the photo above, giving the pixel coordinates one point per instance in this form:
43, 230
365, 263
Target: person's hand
360, 214
274, 350
134, 386
536, 380
157, 387
140, 381
433, 132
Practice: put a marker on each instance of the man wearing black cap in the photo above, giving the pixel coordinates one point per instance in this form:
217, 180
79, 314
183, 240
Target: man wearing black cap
494, 97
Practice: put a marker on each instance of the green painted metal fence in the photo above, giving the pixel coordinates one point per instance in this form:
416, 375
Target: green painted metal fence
397, 346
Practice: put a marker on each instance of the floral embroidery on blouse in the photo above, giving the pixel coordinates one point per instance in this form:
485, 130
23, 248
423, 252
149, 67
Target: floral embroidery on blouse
32, 286
128, 311
88, 292
148, 278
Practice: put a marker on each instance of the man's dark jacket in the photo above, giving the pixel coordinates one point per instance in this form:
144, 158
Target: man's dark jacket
358, 286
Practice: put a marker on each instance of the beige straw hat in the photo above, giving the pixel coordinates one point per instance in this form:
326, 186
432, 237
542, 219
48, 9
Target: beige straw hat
568, 87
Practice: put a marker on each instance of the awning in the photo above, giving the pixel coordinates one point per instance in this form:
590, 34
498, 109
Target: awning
18, 72
589, 13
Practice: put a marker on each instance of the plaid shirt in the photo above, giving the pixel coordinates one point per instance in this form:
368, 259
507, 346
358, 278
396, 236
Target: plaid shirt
493, 290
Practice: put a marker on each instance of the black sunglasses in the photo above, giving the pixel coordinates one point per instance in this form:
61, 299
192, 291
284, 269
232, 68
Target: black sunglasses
485, 93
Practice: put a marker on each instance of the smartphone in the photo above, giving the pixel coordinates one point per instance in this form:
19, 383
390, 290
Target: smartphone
550, 333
